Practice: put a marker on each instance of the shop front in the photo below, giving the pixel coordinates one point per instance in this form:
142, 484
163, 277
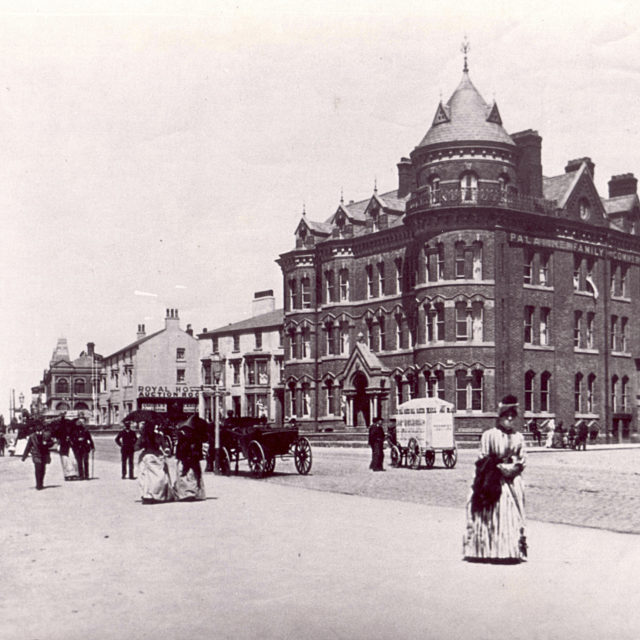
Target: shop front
177, 403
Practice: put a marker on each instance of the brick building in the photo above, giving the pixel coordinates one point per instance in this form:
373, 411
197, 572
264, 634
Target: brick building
476, 277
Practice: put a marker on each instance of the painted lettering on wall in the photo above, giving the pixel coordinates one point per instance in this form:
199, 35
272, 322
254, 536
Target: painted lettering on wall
161, 391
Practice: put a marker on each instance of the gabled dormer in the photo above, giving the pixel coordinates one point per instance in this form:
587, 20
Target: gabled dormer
309, 232
623, 206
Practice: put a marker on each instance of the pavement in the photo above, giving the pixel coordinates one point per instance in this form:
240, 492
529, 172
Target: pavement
86, 560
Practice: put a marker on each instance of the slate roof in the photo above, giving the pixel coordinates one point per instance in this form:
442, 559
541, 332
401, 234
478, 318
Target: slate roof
270, 319
356, 210
556, 187
134, 344
466, 120
319, 227
620, 204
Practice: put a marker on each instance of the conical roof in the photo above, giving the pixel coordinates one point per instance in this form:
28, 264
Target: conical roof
61, 352
466, 117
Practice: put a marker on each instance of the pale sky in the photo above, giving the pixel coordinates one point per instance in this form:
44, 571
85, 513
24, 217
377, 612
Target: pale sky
168, 147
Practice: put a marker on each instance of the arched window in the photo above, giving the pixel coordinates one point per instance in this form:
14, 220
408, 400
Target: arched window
434, 190
584, 209
577, 392
62, 385
469, 187
330, 290
293, 298
305, 336
545, 392
529, 381
344, 338
306, 400
624, 394
292, 399
591, 393
305, 286
344, 285
503, 185
399, 390
78, 386
330, 398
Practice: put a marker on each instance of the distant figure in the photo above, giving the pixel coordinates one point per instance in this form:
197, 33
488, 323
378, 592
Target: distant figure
67, 457
82, 445
535, 432
550, 434
38, 446
126, 440
153, 471
583, 433
376, 442
593, 433
572, 436
3, 442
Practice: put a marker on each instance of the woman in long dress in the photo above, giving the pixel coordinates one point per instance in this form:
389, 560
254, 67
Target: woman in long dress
189, 483
495, 509
153, 471
67, 457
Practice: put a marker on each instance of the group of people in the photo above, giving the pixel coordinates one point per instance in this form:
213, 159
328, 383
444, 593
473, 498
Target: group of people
75, 445
575, 437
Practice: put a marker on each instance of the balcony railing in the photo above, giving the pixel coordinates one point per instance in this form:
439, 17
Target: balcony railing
478, 197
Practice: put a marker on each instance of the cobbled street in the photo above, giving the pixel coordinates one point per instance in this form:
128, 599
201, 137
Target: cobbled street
597, 488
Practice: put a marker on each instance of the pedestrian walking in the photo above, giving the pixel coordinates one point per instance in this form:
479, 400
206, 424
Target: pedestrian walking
63, 435
189, 483
535, 432
572, 436
82, 446
38, 445
551, 426
495, 508
126, 440
153, 471
376, 442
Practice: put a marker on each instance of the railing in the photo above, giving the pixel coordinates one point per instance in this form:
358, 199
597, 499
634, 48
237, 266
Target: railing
478, 197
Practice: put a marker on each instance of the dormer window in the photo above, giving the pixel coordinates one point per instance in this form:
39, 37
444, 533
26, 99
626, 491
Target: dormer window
374, 218
469, 187
585, 209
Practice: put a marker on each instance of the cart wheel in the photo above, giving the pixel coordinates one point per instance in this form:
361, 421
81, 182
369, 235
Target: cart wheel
302, 456
395, 456
256, 459
450, 457
270, 465
429, 458
225, 462
413, 454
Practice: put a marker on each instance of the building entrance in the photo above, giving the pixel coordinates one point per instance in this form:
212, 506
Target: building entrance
361, 406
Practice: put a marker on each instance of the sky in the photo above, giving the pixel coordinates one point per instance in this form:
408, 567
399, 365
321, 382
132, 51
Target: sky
159, 155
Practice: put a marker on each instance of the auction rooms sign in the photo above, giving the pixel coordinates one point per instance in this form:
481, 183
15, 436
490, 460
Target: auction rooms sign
161, 391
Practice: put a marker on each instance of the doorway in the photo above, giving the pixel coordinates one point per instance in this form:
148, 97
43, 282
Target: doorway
361, 409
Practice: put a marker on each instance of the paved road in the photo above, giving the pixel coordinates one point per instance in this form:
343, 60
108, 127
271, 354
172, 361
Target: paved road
597, 488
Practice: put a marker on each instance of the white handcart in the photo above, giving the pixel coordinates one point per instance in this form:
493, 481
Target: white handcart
424, 427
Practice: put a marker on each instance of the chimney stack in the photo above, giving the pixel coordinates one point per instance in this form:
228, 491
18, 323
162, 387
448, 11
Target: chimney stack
172, 319
574, 165
406, 177
141, 332
263, 302
189, 330
529, 162
624, 184
90, 348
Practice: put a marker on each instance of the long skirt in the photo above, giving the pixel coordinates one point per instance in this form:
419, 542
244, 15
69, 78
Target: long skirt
69, 466
189, 485
498, 532
154, 479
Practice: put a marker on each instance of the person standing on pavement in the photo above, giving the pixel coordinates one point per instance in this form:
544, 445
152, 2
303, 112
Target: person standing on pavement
82, 445
495, 508
126, 440
38, 446
376, 442
583, 432
3, 443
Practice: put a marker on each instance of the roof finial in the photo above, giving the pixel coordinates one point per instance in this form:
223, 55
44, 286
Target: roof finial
375, 184
304, 209
341, 195
464, 48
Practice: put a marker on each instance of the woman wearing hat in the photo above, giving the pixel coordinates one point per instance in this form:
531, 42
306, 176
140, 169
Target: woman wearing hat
153, 471
495, 510
189, 484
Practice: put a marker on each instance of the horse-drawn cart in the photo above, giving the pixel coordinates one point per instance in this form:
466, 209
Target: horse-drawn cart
424, 426
259, 445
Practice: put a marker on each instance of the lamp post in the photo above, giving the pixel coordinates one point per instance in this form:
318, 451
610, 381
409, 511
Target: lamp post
21, 401
216, 370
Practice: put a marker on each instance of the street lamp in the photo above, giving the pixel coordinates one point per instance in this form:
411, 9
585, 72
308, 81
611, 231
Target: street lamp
216, 370
21, 399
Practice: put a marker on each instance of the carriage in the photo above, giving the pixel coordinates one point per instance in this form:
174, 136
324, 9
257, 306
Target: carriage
424, 427
260, 445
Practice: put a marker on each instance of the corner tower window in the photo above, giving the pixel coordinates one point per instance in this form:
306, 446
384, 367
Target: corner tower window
469, 187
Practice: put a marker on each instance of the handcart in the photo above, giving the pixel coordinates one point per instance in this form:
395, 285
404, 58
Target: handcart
423, 428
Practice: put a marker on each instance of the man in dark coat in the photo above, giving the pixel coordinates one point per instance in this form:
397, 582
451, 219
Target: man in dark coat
82, 445
126, 440
581, 441
376, 442
38, 446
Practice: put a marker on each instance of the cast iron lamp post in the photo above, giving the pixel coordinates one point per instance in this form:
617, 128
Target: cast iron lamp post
216, 370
